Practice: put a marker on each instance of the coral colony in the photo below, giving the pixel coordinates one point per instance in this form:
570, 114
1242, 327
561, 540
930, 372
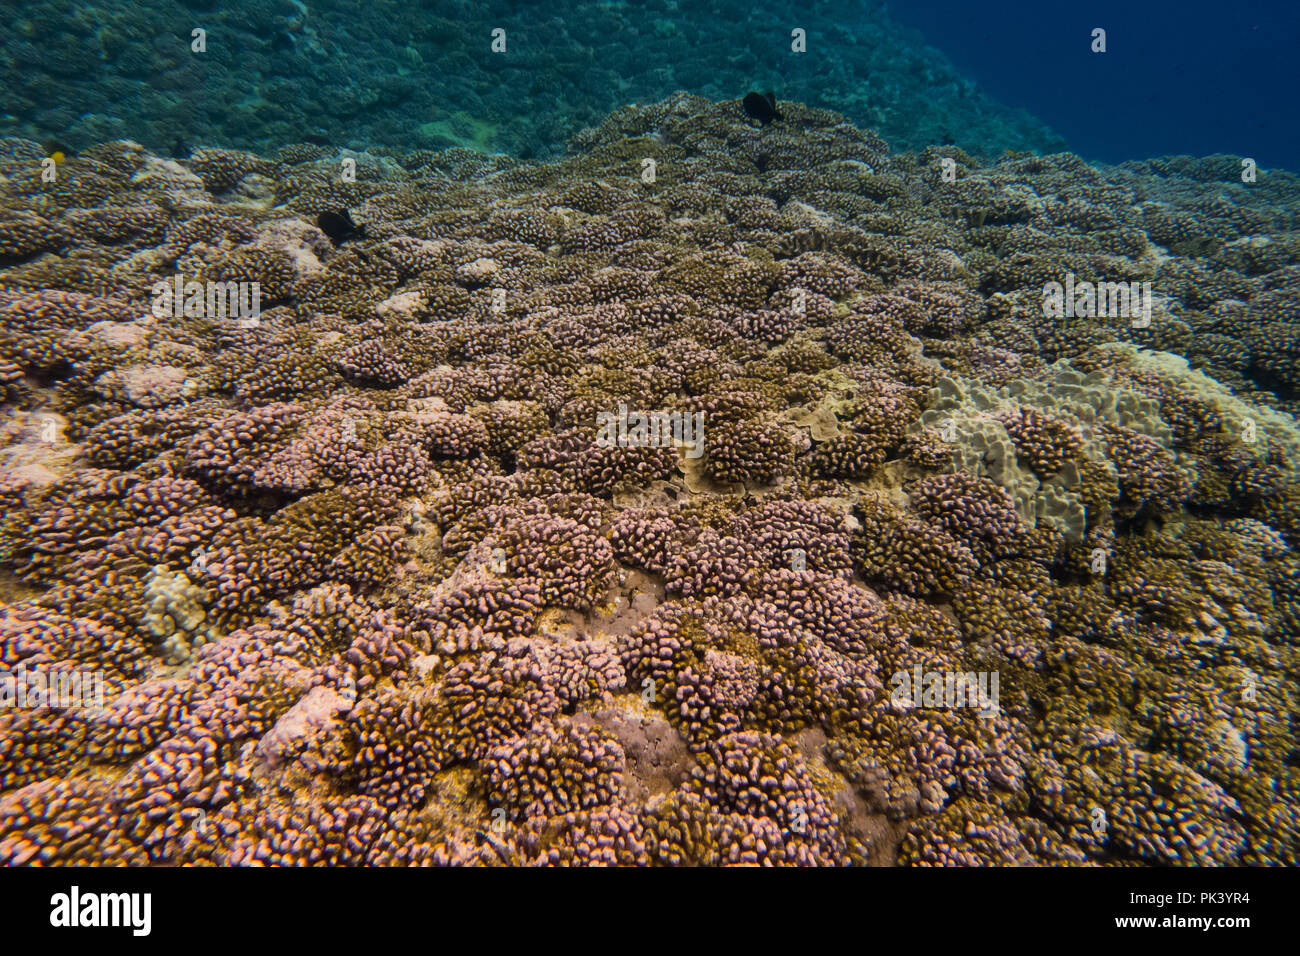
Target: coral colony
807, 501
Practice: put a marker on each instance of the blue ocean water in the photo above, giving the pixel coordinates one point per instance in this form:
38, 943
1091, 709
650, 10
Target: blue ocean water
1178, 76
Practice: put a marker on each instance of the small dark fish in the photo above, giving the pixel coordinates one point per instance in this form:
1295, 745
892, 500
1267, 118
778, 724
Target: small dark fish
948, 140
761, 108
179, 148
53, 146
339, 226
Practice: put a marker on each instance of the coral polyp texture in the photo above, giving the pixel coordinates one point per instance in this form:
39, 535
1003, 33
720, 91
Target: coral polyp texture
753, 512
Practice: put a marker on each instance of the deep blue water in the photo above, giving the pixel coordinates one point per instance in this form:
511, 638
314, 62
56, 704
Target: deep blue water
1178, 76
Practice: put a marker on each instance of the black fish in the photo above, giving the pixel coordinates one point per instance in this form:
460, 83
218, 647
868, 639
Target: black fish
339, 226
53, 146
761, 108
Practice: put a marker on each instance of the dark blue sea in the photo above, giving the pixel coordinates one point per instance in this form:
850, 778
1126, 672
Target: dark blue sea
1177, 77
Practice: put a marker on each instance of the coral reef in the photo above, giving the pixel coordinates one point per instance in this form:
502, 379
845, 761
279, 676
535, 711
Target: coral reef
443, 77
757, 514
